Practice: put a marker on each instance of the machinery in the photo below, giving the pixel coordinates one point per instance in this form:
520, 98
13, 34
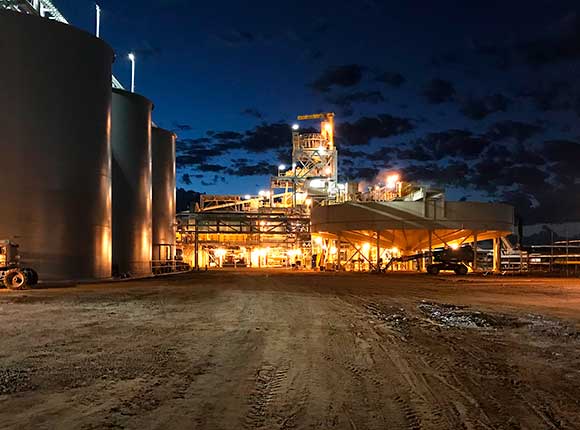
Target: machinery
11, 274
451, 259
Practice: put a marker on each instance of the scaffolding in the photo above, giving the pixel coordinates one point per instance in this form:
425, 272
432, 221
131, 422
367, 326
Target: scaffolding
267, 238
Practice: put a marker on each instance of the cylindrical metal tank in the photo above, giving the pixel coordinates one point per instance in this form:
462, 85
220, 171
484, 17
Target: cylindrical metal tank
55, 160
163, 162
132, 193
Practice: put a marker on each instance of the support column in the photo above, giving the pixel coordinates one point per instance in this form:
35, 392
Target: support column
338, 250
430, 258
196, 245
378, 268
497, 255
474, 251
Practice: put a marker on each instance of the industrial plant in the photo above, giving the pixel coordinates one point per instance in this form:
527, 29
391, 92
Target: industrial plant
313, 301
99, 180
308, 219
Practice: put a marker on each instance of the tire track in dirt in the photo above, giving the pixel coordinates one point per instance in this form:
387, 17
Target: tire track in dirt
422, 403
267, 384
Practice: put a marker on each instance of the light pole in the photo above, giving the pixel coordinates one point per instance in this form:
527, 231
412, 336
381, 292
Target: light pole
132, 59
98, 32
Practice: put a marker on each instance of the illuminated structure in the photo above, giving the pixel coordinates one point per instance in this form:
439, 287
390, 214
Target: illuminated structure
314, 170
308, 218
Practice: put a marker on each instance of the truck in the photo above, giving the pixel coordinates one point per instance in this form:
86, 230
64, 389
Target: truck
12, 275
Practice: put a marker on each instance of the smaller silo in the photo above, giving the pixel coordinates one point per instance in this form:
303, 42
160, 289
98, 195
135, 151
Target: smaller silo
132, 192
163, 162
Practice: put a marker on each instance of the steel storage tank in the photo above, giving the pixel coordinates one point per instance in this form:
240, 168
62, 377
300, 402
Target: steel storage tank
55, 105
163, 162
132, 194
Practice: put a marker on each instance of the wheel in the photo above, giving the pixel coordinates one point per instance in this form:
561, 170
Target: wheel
31, 276
15, 279
460, 270
433, 269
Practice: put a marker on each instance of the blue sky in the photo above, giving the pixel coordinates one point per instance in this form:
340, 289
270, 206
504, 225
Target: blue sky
440, 91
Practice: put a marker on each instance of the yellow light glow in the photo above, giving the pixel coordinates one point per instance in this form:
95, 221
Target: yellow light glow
220, 252
392, 181
318, 240
327, 171
454, 246
333, 250
328, 127
366, 246
308, 202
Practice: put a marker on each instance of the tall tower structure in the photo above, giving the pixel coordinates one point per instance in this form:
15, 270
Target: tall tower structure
314, 173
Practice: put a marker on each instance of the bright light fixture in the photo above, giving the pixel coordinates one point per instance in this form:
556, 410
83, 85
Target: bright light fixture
281, 167
392, 181
131, 56
295, 126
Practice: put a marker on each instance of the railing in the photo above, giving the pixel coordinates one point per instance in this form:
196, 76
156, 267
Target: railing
159, 267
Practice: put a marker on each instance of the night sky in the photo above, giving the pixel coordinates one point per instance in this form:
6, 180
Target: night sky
480, 97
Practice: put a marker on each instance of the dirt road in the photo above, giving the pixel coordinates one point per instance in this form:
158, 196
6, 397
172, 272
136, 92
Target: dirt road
283, 350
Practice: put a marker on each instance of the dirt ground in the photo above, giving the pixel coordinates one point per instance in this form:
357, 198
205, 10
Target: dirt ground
287, 350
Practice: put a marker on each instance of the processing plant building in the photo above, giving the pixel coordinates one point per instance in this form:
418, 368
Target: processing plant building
89, 181
308, 219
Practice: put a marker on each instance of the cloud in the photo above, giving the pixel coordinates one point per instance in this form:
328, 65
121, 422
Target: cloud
363, 130
549, 96
393, 79
254, 113
445, 144
266, 137
192, 152
259, 169
345, 101
562, 151
561, 44
182, 127
342, 76
361, 173
186, 179
438, 91
513, 130
479, 108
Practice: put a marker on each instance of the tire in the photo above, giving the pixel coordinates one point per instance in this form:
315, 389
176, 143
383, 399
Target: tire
31, 276
433, 269
461, 270
15, 280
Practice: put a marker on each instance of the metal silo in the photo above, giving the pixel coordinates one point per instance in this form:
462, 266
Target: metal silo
163, 157
132, 195
55, 105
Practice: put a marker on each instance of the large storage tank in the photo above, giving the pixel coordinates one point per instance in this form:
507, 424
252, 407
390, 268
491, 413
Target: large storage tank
55, 188
132, 194
163, 153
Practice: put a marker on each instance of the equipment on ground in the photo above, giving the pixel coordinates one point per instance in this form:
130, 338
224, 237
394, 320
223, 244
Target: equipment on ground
12, 276
444, 259
451, 259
